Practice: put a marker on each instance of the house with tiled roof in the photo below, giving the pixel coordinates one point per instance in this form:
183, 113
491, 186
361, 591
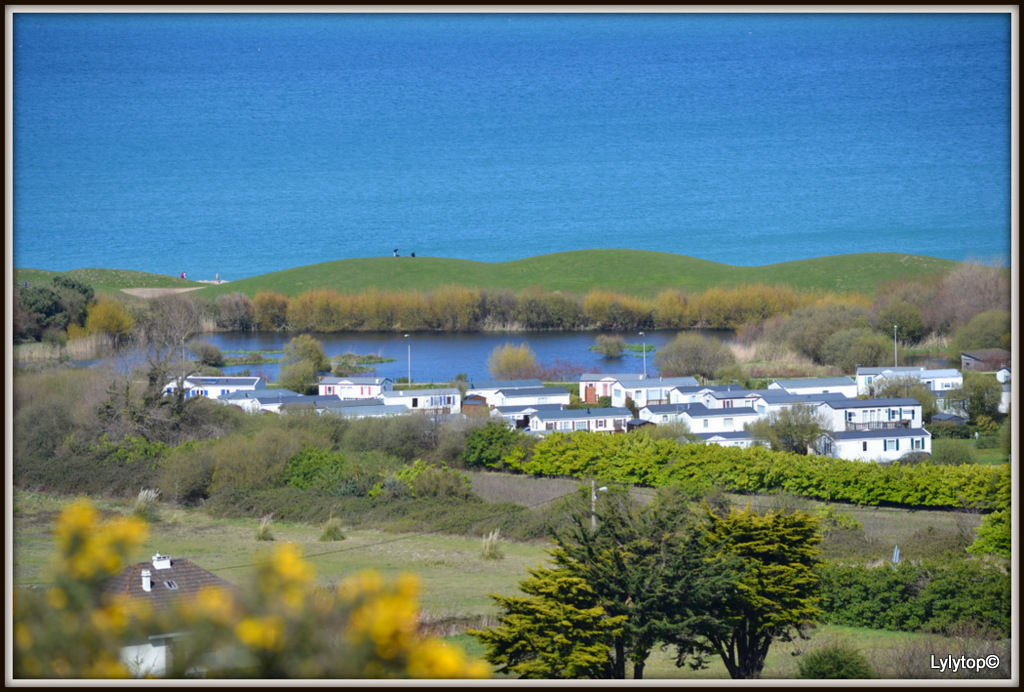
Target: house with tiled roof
162, 582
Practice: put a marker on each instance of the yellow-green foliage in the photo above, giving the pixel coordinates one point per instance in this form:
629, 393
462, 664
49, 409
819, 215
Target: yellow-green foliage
634, 459
270, 310
108, 316
511, 362
280, 626
556, 631
777, 588
673, 310
454, 308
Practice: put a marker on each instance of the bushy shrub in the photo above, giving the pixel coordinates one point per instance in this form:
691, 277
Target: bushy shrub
263, 533
207, 353
492, 548
911, 596
610, 346
331, 530
314, 468
952, 452
834, 662
948, 431
405, 437
146, 505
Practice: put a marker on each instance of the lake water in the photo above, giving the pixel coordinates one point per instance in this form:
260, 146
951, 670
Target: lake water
242, 144
441, 357
430, 357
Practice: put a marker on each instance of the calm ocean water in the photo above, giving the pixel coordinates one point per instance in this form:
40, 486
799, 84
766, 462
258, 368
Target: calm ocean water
245, 144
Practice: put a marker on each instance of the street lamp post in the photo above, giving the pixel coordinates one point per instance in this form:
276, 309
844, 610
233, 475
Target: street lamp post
644, 347
895, 357
408, 360
593, 503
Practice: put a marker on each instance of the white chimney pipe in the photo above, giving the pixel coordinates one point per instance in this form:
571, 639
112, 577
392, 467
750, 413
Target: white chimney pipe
147, 583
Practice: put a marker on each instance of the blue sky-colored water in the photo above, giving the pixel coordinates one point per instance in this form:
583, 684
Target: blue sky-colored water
242, 144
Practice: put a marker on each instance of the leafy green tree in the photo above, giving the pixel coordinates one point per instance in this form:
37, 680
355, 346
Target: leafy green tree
75, 297
808, 328
511, 362
693, 354
990, 329
912, 387
487, 446
644, 568
979, 395
795, 429
44, 306
776, 594
207, 353
304, 358
907, 318
848, 348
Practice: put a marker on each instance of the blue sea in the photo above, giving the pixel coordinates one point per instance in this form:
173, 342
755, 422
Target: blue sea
241, 144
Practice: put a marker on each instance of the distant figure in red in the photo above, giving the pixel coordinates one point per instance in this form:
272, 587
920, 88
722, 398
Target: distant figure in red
183, 275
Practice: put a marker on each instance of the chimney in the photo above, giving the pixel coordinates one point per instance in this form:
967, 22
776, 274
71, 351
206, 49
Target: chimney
161, 561
147, 583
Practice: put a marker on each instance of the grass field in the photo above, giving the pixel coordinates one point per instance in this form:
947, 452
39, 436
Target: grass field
457, 580
630, 272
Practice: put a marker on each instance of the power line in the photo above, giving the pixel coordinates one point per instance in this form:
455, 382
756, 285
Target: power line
359, 547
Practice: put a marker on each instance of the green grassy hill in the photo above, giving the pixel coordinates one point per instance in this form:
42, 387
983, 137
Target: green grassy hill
631, 272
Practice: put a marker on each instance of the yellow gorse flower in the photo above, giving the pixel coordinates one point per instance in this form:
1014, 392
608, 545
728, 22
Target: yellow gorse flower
366, 627
262, 633
88, 549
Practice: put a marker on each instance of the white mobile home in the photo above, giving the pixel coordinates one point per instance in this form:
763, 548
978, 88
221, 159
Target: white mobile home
216, 387
875, 445
590, 419
354, 387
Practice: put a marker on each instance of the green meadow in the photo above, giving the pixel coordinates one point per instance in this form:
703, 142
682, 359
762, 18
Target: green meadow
457, 580
630, 272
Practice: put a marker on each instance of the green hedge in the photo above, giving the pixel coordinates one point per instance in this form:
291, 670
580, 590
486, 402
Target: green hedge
640, 460
932, 596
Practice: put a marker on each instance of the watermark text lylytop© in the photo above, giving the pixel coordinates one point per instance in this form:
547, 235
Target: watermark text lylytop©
953, 664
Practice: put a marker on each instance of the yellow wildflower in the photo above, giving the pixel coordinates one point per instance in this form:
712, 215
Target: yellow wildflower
262, 633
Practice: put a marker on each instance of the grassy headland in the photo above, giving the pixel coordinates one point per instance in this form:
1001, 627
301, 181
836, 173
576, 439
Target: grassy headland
630, 272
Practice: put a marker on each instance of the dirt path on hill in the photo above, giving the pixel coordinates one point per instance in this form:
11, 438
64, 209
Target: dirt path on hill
156, 292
